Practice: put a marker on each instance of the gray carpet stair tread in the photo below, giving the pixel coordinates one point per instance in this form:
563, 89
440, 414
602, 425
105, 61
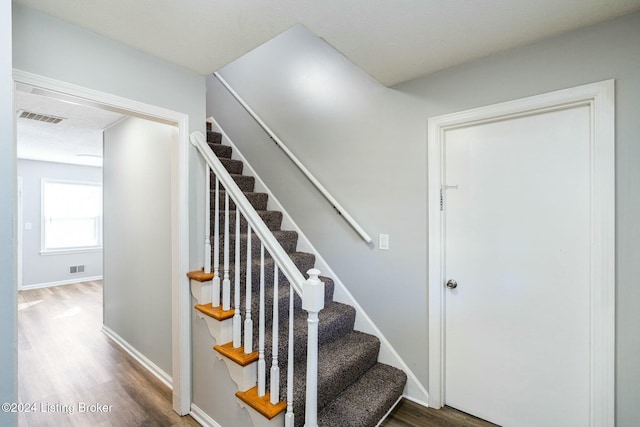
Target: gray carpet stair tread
283, 302
340, 364
222, 151
233, 166
214, 137
257, 200
366, 401
303, 261
245, 182
288, 239
272, 219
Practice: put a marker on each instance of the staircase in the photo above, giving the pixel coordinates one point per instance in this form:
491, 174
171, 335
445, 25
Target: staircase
353, 388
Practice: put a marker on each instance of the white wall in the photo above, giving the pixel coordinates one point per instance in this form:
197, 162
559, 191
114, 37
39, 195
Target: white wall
350, 131
137, 236
8, 299
51, 269
383, 158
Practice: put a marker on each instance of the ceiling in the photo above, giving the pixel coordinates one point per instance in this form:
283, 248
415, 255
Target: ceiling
393, 40
76, 140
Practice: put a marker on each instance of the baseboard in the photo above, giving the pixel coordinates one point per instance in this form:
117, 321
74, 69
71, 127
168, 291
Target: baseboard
417, 401
60, 283
139, 357
200, 416
414, 390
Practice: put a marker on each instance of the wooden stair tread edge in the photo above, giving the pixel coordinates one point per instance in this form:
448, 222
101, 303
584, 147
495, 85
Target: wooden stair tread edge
200, 275
216, 312
236, 354
261, 404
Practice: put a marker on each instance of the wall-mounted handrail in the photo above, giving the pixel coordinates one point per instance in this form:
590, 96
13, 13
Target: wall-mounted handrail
334, 203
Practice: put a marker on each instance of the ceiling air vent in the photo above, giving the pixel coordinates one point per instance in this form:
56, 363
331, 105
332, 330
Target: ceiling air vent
40, 117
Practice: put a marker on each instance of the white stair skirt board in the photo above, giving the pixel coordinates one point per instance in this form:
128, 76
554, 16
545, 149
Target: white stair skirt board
196, 290
245, 377
61, 283
139, 357
220, 330
200, 416
260, 420
414, 390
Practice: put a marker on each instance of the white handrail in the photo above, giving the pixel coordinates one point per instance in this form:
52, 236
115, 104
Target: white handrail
334, 203
272, 245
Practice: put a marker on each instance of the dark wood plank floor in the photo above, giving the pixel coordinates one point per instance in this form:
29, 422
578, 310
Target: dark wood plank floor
409, 414
65, 362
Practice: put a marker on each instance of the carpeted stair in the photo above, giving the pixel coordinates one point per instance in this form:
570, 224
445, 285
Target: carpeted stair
354, 390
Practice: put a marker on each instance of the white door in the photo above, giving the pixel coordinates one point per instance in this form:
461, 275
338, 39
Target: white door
517, 239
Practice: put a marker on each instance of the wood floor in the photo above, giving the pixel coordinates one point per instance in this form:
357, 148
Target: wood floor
66, 365
409, 414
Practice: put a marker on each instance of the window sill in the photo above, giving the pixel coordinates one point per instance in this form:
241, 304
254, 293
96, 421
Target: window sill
70, 251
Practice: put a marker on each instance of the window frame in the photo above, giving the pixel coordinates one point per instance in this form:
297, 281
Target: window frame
43, 221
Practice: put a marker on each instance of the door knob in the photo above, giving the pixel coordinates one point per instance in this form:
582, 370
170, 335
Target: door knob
452, 284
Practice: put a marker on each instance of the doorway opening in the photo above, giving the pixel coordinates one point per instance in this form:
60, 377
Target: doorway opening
176, 366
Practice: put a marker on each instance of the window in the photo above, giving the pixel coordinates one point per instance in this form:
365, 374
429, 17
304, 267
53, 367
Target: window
71, 215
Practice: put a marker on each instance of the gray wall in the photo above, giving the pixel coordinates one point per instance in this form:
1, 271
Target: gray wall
377, 168
351, 132
53, 48
8, 301
39, 269
137, 236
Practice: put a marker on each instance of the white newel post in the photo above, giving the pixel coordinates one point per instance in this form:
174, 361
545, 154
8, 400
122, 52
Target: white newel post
312, 302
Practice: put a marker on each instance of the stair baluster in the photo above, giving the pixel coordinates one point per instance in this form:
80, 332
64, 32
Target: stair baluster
215, 301
226, 283
237, 316
274, 386
207, 222
248, 323
289, 417
261, 363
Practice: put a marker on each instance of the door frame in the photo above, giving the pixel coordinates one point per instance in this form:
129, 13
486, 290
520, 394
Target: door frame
599, 98
19, 234
180, 294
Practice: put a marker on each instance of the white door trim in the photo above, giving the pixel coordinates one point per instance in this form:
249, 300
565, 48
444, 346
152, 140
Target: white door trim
20, 233
599, 97
181, 299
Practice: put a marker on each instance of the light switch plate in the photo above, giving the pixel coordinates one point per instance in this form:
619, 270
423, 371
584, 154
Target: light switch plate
383, 242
